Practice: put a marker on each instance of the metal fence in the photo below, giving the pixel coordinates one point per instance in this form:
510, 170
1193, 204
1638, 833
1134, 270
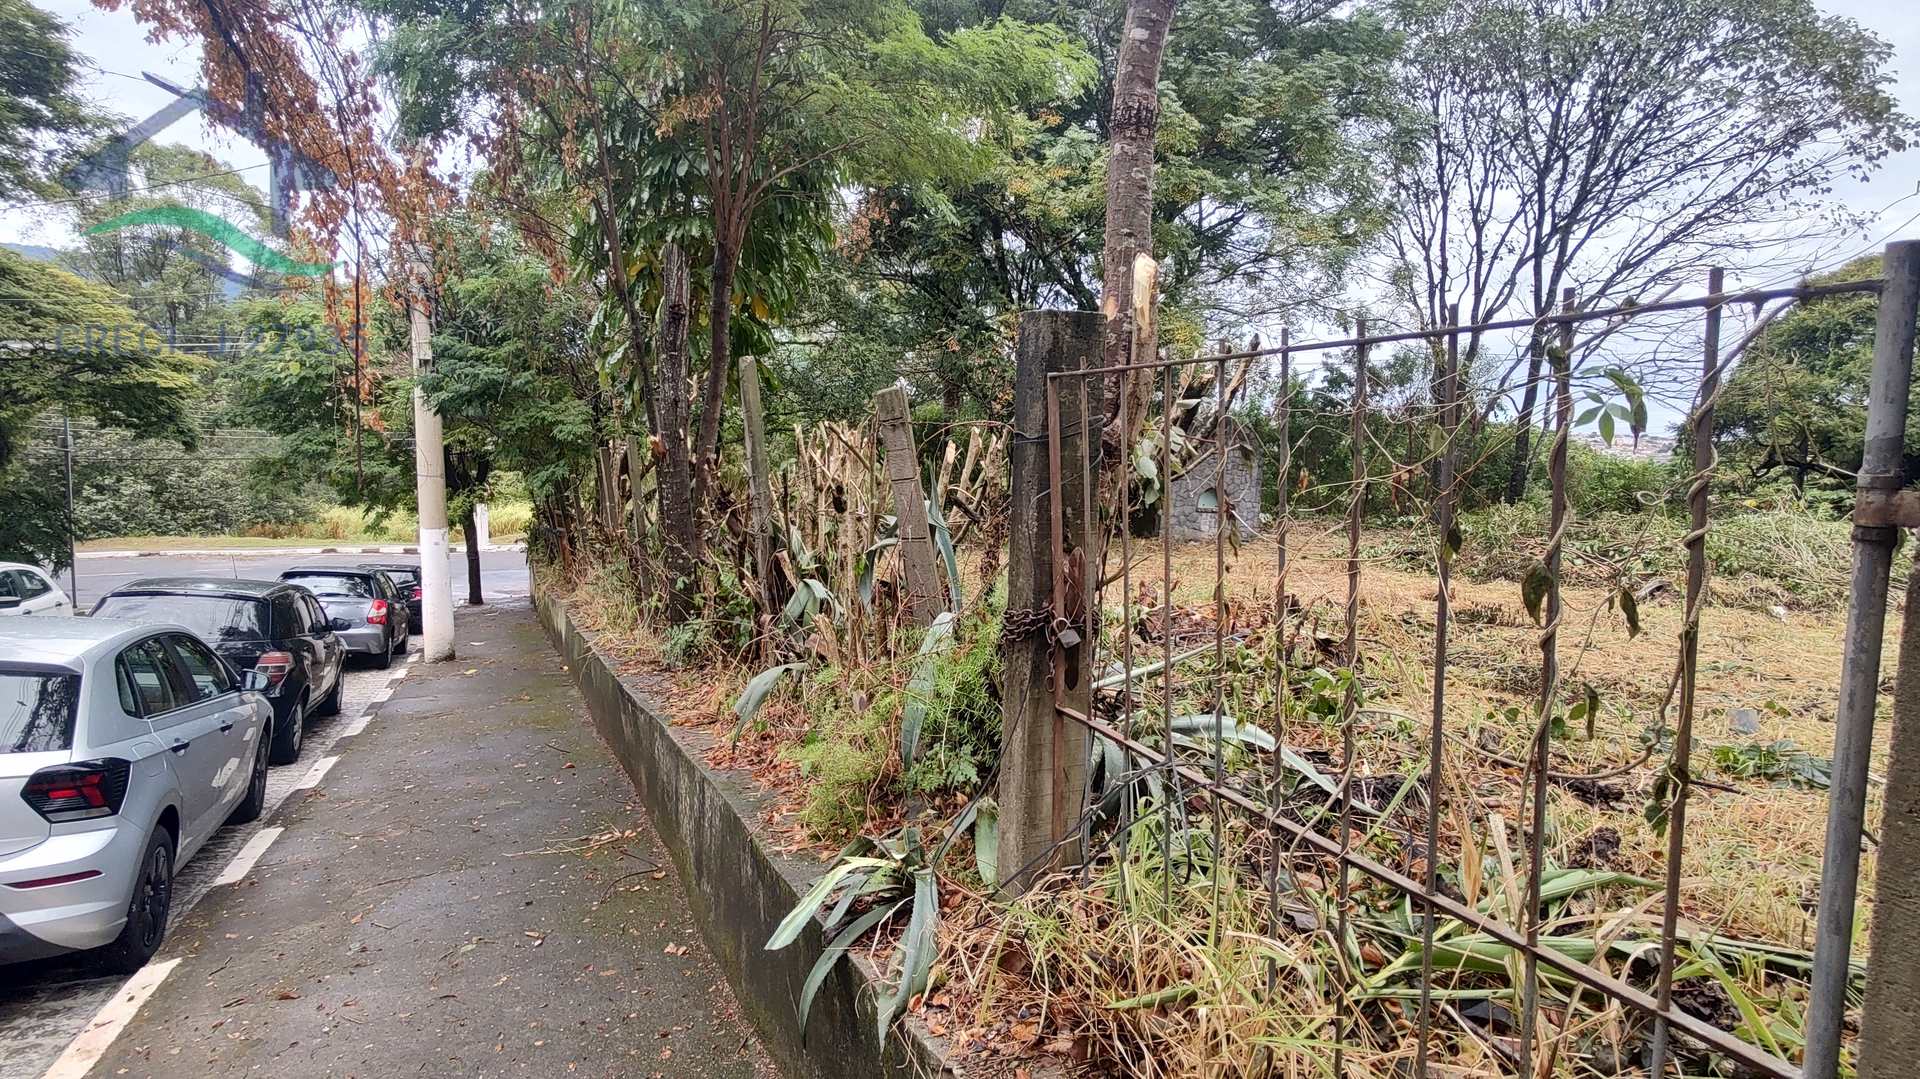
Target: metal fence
1080, 607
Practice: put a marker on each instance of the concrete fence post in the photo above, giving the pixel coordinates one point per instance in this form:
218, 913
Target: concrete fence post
1043, 764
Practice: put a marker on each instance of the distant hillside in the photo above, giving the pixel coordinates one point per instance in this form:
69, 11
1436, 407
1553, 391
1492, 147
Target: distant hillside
36, 252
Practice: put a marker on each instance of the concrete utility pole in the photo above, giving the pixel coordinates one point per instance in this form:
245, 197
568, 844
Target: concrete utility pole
430, 485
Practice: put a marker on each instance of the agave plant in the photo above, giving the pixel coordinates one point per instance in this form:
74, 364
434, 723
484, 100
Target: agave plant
893, 873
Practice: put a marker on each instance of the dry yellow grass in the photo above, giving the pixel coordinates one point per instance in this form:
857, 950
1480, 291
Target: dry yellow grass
1753, 857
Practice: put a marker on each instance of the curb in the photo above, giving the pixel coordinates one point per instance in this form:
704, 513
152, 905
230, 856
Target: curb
737, 886
236, 551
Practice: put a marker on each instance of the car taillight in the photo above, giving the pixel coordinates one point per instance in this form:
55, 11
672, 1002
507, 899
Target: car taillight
415, 594
275, 666
377, 613
80, 791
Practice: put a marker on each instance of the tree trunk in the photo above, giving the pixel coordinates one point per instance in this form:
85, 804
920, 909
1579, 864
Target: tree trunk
679, 529
719, 355
1523, 427
471, 529
1133, 123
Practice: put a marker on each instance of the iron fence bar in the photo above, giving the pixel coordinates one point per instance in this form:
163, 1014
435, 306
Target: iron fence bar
1222, 520
1282, 509
1585, 974
1442, 614
1681, 766
1126, 581
1751, 296
1093, 568
1881, 465
1057, 823
1350, 703
1560, 359
1166, 636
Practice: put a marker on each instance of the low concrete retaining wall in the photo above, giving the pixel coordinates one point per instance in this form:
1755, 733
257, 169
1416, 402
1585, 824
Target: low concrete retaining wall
738, 887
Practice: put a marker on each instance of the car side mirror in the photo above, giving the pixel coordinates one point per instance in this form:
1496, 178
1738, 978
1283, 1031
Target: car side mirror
253, 682
338, 624
8, 603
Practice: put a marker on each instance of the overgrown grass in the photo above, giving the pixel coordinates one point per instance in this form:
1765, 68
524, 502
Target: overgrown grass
1759, 556
508, 522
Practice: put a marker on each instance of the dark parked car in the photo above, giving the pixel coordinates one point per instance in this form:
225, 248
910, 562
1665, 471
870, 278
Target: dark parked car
273, 627
364, 606
407, 579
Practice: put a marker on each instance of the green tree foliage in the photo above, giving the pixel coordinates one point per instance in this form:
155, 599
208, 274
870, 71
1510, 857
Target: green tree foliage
1796, 406
1614, 149
70, 346
1272, 125
153, 265
43, 116
511, 377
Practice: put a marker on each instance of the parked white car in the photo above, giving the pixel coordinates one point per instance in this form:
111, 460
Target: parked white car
123, 747
25, 589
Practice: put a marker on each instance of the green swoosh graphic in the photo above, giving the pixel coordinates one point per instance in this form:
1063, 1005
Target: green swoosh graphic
218, 230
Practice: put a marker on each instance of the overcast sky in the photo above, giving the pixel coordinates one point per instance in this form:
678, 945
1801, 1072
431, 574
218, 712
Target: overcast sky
117, 47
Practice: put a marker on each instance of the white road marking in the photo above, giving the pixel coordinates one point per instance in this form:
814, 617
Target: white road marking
242, 864
86, 1050
316, 773
356, 726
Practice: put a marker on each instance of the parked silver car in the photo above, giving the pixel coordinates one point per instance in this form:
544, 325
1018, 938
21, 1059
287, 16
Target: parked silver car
364, 607
123, 747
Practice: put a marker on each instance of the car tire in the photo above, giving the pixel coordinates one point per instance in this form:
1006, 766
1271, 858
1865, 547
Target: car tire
147, 911
330, 704
385, 658
289, 735
255, 801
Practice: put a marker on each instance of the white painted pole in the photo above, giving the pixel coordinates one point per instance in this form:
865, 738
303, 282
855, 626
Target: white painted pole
430, 486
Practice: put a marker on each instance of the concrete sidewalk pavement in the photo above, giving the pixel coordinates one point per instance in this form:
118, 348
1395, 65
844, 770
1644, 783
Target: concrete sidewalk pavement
469, 891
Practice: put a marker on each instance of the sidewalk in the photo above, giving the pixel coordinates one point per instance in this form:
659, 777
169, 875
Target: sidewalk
469, 891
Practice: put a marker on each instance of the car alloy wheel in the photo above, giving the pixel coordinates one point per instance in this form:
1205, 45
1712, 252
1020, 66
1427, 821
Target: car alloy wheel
153, 898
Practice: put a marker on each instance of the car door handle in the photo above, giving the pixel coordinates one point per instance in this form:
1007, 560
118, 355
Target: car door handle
226, 726
178, 746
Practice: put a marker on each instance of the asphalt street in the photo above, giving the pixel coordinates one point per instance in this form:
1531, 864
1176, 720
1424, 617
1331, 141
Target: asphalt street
502, 572
455, 879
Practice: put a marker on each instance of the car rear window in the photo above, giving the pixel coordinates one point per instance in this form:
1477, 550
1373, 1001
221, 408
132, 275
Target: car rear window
218, 619
36, 711
333, 584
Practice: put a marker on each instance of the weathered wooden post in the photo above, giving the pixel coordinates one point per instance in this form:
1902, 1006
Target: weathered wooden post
926, 593
1043, 764
759, 491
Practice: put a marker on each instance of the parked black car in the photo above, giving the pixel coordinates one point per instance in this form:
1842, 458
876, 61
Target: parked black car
273, 627
406, 577
364, 605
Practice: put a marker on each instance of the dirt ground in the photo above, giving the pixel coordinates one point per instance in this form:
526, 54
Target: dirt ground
1753, 857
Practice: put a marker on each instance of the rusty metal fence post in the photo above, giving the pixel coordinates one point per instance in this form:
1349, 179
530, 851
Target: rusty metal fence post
1874, 536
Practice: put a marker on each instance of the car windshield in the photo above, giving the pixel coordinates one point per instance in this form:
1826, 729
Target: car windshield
333, 584
216, 618
36, 711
